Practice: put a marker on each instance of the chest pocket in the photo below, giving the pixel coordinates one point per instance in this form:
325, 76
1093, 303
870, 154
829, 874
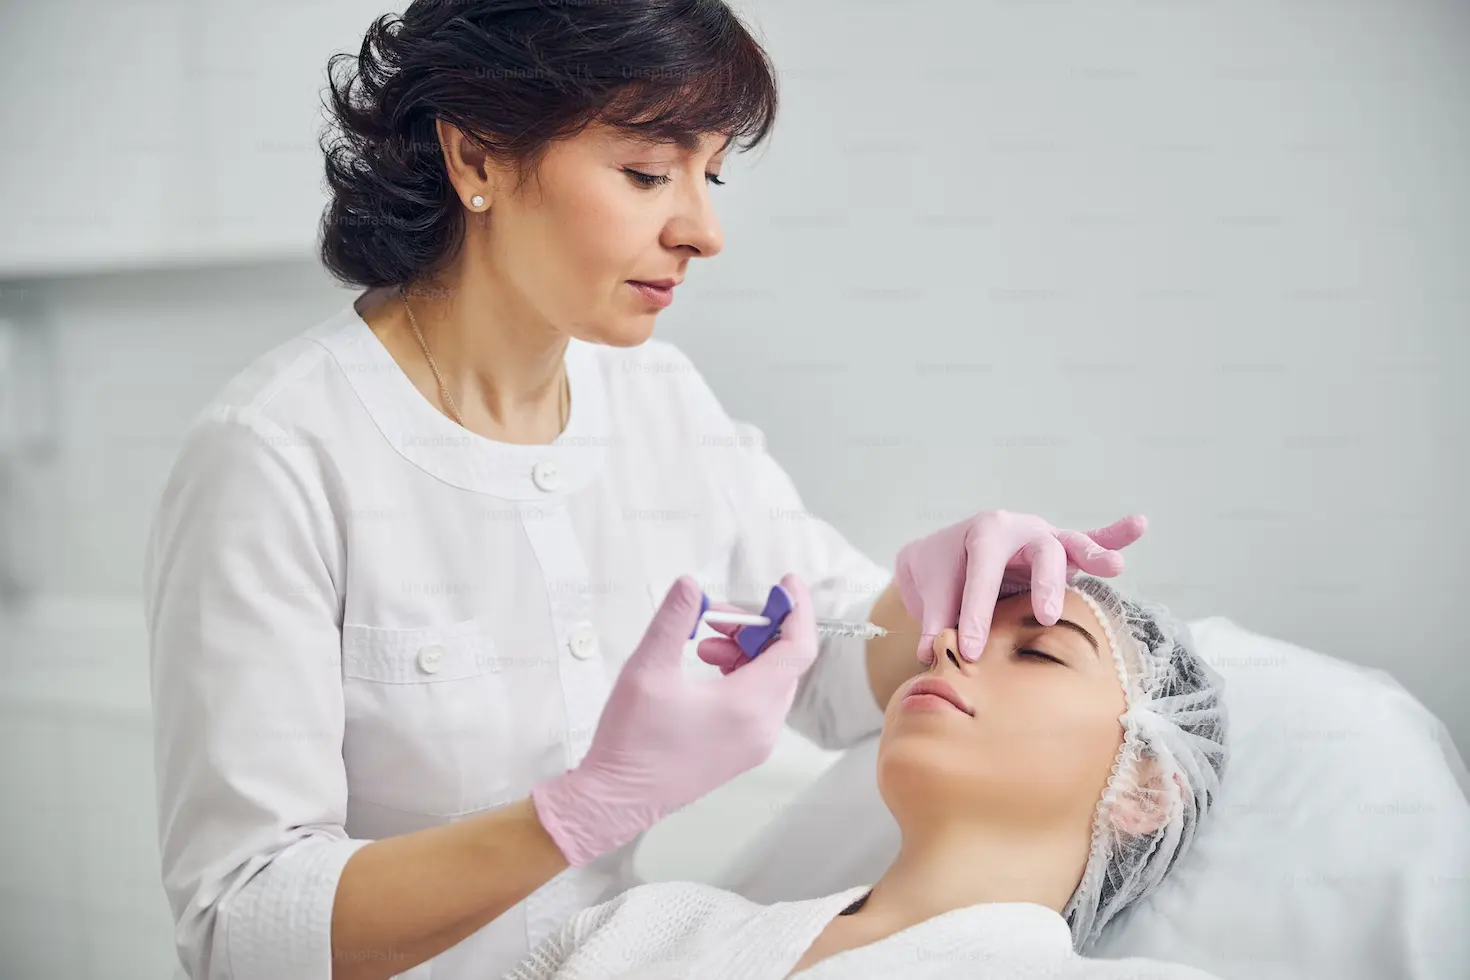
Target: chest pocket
428, 718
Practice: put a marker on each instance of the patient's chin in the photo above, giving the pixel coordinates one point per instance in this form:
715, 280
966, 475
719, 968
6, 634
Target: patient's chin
920, 775
913, 767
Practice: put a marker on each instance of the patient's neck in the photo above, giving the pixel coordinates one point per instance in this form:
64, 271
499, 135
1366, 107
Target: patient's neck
949, 864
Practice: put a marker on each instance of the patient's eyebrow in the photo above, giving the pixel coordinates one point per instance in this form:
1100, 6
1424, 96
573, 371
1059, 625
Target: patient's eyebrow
1032, 621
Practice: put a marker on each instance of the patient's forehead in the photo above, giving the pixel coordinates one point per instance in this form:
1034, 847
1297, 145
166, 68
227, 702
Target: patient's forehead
1010, 611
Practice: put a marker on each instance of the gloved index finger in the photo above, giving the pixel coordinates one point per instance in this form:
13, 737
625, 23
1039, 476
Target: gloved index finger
986, 555
1048, 577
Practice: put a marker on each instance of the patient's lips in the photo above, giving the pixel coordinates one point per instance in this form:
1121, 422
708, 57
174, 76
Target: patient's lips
935, 694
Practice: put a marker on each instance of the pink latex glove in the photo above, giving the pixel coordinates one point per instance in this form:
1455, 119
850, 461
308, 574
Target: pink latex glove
665, 740
722, 651
953, 578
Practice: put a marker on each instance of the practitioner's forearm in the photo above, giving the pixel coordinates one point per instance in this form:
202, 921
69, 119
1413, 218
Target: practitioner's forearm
404, 900
892, 659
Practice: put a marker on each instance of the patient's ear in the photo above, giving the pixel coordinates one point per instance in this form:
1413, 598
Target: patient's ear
1146, 802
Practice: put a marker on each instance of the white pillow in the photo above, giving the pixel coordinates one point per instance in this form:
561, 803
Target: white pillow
1340, 846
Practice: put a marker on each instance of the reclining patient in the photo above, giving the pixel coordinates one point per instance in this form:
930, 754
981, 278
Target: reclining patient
1039, 792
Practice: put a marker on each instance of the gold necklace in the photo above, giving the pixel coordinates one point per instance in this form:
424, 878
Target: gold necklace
444, 389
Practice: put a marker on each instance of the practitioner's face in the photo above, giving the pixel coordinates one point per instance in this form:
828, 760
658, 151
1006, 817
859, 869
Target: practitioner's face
603, 208
1041, 743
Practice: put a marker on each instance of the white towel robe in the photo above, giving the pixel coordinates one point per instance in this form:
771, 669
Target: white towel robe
365, 621
678, 930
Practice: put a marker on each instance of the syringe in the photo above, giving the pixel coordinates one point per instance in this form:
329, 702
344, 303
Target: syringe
825, 627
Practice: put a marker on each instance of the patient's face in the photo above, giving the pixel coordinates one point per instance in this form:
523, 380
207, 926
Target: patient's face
1043, 737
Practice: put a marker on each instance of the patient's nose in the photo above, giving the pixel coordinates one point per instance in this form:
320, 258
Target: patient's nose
946, 647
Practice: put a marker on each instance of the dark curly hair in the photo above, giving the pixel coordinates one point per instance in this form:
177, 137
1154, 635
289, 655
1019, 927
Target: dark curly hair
515, 75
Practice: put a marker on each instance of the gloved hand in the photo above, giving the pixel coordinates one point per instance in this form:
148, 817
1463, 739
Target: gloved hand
665, 740
953, 577
722, 651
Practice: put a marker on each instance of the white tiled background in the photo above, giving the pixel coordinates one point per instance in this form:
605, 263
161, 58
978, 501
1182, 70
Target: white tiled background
1206, 260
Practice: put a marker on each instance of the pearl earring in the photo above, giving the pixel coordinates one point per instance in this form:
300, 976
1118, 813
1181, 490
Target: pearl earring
477, 201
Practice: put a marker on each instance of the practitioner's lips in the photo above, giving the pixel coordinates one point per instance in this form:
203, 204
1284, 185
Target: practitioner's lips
930, 688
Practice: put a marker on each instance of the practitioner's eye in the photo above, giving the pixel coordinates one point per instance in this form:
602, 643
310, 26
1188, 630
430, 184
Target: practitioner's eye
1038, 655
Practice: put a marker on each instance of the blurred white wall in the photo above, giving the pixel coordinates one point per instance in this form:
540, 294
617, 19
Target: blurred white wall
1206, 261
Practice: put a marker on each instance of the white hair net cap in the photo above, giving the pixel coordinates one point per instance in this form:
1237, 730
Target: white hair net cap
1167, 774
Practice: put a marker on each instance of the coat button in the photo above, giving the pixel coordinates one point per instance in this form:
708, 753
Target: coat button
430, 658
583, 642
546, 475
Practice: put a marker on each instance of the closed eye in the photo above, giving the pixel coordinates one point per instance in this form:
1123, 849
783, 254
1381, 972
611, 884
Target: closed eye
653, 180
1038, 655
646, 180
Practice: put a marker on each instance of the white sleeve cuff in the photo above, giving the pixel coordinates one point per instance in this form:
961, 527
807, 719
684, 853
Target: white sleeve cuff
279, 925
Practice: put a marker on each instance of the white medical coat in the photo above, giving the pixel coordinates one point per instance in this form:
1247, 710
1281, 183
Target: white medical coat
365, 620
681, 930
